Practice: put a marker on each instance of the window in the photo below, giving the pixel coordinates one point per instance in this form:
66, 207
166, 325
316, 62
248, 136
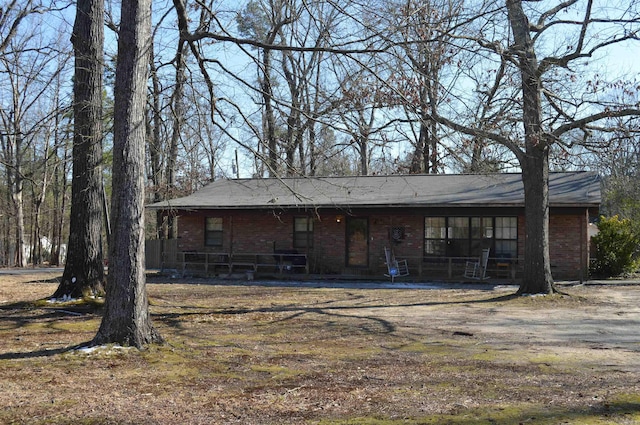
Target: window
481, 233
458, 237
467, 236
213, 231
435, 236
302, 232
506, 241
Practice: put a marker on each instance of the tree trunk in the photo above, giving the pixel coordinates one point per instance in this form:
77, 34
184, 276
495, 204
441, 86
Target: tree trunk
126, 320
364, 158
16, 185
421, 151
312, 147
177, 102
156, 148
537, 277
84, 269
38, 201
20, 261
59, 187
534, 162
269, 121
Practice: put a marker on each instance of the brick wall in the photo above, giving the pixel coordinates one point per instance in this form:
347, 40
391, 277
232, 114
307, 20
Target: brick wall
243, 231
261, 231
328, 244
568, 245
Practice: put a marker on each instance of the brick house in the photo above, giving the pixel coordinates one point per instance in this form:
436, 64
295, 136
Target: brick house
341, 225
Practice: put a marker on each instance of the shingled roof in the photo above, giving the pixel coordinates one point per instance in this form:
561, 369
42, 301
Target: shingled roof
421, 190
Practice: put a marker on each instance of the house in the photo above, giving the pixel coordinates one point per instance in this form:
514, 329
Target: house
341, 225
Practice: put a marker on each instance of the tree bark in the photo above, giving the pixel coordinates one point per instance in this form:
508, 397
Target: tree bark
84, 269
126, 320
178, 110
18, 203
156, 147
269, 121
60, 185
537, 278
535, 161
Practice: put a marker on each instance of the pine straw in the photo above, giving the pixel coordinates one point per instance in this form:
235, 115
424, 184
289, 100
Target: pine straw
241, 354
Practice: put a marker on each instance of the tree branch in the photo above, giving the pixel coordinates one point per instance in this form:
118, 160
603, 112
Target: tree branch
581, 123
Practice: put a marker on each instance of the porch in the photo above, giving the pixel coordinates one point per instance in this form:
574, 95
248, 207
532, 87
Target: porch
163, 254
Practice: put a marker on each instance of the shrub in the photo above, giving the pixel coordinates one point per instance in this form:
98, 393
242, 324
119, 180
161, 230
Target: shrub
616, 247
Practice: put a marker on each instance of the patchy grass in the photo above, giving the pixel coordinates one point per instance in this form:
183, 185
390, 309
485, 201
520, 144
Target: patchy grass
275, 355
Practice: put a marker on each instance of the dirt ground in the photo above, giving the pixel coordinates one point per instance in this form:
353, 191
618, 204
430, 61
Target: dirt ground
253, 354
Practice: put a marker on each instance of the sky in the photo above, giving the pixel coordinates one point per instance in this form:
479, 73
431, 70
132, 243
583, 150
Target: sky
622, 62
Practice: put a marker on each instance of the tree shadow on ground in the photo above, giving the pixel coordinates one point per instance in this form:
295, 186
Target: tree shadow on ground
23, 313
368, 323
40, 353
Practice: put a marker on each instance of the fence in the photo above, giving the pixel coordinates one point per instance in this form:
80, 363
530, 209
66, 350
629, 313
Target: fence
161, 253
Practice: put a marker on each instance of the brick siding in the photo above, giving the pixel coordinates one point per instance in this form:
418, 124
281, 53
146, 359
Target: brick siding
262, 231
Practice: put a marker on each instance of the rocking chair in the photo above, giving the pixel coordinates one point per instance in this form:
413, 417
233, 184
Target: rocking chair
395, 267
478, 269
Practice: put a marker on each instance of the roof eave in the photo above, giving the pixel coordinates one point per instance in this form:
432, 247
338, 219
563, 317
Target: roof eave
364, 206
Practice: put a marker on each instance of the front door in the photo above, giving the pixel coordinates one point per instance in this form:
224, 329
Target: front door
357, 242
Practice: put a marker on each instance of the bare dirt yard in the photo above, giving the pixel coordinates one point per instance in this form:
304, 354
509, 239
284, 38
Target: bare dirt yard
256, 354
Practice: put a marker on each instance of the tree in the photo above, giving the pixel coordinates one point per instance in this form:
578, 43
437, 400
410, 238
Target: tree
126, 320
84, 269
59, 185
31, 64
12, 16
619, 165
358, 111
164, 156
616, 247
263, 22
545, 116
421, 38
534, 161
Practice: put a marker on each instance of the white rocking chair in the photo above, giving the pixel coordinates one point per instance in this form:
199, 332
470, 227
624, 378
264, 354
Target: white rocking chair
478, 269
395, 267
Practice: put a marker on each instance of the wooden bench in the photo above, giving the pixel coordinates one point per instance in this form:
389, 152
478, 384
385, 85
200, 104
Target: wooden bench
211, 262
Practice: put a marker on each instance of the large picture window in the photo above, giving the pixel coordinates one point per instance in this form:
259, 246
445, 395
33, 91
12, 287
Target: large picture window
302, 232
467, 236
213, 231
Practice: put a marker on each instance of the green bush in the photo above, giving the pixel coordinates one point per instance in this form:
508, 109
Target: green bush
616, 247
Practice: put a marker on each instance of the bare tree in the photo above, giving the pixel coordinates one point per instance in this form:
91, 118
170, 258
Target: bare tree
421, 45
29, 68
182, 144
546, 118
262, 21
84, 268
13, 16
163, 148
126, 319
358, 109
59, 186
616, 156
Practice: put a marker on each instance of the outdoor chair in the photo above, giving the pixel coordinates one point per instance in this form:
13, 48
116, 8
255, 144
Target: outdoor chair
395, 267
477, 269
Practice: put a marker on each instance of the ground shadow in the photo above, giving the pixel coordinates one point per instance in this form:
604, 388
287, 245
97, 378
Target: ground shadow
368, 323
40, 353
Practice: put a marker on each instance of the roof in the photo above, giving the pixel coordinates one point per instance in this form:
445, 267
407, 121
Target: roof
415, 190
